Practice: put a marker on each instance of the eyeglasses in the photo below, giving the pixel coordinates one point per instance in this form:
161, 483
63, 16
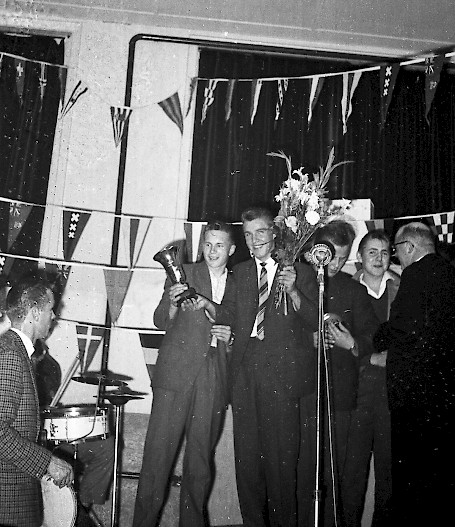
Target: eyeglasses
394, 247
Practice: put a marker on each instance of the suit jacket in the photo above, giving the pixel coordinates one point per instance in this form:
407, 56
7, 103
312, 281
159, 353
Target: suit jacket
420, 338
187, 340
349, 300
22, 461
287, 356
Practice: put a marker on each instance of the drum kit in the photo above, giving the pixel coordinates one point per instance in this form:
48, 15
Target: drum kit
75, 424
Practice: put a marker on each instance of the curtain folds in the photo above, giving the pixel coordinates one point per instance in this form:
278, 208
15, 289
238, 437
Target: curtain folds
405, 169
27, 127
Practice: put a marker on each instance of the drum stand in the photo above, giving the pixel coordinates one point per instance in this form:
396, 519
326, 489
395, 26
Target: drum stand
118, 400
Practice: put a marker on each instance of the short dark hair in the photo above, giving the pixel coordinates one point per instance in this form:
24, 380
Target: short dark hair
254, 213
338, 232
26, 293
220, 226
377, 234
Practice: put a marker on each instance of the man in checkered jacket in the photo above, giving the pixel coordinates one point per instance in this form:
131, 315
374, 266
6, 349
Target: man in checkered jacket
29, 307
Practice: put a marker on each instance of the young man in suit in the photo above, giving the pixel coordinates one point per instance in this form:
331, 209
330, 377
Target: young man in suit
29, 307
369, 431
189, 388
347, 342
420, 339
268, 373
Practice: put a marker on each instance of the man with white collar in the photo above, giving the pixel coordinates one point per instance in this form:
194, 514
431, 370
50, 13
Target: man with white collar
420, 339
29, 307
268, 372
370, 423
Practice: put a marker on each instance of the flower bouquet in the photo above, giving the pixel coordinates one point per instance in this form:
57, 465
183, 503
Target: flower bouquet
304, 208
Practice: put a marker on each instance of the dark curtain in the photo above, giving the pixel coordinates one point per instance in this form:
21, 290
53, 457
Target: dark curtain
27, 129
405, 169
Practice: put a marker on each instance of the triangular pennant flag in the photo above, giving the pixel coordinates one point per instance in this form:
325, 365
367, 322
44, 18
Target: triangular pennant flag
134, 226
282, 88
18, 214
350, 82
62, 74
171, 107
194, 234
42, 81
20, 78
61, 273
208, 97
444, 226
6, 262
387, 77
193, 85
373, 225
117, 282
315, 89
120, 116
150, 343
73, 225
433, 67
1, 62
255, 92
88, 340
229, 94
77, 92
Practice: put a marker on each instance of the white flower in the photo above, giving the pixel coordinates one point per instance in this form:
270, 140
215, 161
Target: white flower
313, 201
291, 222
312, 217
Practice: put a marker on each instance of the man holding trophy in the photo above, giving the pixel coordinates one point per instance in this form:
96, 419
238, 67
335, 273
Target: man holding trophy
189, 382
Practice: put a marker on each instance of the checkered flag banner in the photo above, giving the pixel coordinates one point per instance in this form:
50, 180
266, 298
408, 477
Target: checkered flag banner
120, 116
443, 224
208, 97
282, 89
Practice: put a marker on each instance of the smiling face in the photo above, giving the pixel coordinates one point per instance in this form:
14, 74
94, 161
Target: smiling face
217, 248
375, 257
259, 238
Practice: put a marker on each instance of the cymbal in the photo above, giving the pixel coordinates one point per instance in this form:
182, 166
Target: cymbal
98, 379
125, 390
110, 375
120, 399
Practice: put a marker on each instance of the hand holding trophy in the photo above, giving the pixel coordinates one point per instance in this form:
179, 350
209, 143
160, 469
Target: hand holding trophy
167, 257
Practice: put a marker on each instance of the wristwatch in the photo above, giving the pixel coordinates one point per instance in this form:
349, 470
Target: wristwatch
353, 349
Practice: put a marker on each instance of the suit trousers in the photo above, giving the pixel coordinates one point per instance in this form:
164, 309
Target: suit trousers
198, 413
369, 433
266, 444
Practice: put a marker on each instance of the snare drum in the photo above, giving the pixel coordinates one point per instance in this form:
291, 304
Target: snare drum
74, 424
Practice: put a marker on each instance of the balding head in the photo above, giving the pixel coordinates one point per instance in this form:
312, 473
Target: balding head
413, 241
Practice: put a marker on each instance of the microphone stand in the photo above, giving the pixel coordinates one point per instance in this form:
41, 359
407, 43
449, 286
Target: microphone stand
319, 405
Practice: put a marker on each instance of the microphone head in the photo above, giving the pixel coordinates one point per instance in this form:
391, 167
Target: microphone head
320, 254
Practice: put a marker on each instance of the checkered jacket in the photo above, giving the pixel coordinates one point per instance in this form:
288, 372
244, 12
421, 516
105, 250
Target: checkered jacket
22, 461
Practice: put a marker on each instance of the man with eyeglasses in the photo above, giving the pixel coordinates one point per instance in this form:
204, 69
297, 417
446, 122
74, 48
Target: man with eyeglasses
420, 339
369, 431
268, 372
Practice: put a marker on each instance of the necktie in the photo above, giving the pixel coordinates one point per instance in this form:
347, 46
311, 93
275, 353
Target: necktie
263, 295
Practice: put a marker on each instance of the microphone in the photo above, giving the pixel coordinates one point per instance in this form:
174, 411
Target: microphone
320, 254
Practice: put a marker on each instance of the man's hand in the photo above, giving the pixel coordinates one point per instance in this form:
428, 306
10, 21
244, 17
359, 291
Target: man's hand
379, 359
175, 291
287, 277
221, 332
340, 335
61, 472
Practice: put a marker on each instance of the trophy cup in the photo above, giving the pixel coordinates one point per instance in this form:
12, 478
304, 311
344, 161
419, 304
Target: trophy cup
167, 258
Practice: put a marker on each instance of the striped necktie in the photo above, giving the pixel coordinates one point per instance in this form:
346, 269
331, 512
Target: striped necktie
263, 295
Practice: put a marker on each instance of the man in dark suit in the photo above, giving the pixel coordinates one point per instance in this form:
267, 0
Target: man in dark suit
420, 339
189, 388
349, 337
369, 432
268, 374
29, 306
